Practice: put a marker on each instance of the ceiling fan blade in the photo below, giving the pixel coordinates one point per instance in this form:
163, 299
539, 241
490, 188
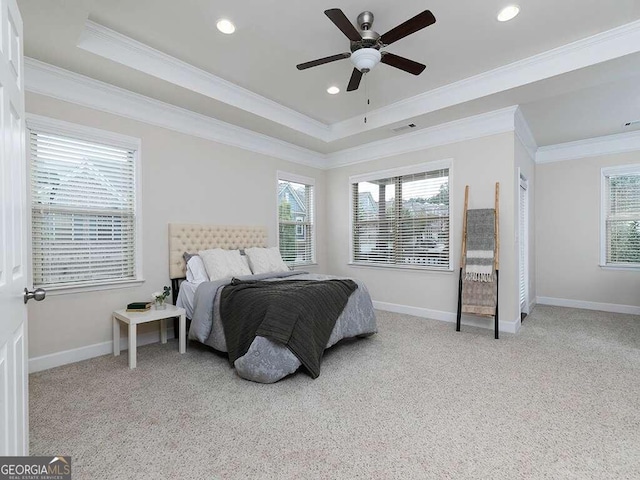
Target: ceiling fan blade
322, 61
402, 63
342, 22
354, 82
412, 25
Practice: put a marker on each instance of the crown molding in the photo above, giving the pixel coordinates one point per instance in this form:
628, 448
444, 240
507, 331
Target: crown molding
110, 44
56, 82
491, 123
523, 132
592, 147
589, 51
51, 81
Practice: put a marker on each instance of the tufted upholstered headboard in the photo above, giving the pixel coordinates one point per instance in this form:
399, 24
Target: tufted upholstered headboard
193, 238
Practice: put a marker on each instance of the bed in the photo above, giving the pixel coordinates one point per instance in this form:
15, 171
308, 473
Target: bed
266, 360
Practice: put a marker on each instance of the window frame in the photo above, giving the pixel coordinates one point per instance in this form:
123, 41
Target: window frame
397, 172
301, 179
42, 124
605, 172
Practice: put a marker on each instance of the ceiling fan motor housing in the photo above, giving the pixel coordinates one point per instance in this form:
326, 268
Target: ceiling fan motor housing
369, 37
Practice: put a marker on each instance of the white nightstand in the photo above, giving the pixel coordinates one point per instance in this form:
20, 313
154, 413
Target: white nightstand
133, 319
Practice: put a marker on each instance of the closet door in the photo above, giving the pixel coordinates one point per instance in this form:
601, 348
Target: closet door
523, 245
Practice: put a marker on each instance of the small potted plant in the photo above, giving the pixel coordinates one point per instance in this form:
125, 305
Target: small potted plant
160, 298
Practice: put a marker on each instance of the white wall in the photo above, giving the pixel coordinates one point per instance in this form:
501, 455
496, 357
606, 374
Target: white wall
526, 165
568, 234
192, 180
478, 163
184, 180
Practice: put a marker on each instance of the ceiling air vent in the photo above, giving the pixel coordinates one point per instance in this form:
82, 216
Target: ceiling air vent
403, 128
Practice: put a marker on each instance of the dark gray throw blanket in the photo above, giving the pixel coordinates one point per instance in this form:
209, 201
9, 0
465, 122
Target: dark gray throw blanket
300, 314
481, 225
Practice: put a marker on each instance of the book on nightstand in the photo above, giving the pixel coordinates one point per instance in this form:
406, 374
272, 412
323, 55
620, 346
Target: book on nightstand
138, 307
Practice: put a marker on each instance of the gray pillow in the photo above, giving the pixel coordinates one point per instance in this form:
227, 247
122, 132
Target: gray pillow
187, 256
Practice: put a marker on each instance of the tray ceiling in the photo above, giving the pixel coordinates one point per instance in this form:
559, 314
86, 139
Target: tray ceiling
260, 58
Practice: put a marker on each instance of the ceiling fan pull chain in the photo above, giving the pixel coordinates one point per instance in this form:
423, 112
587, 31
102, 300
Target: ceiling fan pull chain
366, 93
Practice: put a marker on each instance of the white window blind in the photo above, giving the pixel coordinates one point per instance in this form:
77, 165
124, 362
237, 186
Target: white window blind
402, 220
296, 228
622, 212
83, 211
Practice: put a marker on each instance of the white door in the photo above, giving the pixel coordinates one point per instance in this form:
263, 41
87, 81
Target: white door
15, 269
524, 245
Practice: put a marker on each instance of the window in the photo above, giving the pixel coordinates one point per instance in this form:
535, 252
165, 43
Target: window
83, 206
300, 228
621, 216
401, 217
296, 228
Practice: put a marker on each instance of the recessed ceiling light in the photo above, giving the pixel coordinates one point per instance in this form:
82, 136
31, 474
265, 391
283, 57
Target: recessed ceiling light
333, 90
508, 13
225, 26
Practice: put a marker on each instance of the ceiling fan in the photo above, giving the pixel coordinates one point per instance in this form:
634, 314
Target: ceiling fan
366, 44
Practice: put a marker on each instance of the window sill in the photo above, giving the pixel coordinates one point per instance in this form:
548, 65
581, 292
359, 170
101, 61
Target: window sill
418, 268
62, 290
635, 267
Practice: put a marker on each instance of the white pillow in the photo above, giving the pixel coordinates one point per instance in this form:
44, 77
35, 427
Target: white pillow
265, 260
196, 272
221, 263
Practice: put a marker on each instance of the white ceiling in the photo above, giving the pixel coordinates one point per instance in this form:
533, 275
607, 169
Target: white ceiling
271, 39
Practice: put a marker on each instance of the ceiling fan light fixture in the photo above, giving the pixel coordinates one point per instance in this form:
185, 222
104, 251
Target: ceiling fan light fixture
508, 13
226, 26
333, 90
365, 59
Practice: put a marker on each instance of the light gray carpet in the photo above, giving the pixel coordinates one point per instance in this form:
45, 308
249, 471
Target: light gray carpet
559, 400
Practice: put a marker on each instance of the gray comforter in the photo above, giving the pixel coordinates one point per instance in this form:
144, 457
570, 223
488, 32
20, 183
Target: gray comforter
268, 361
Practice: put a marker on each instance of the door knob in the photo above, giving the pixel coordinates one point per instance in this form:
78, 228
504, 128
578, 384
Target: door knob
38, 294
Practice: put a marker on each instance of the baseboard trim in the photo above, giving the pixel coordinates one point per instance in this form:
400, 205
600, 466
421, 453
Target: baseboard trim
45, 362
603, 307
450, 317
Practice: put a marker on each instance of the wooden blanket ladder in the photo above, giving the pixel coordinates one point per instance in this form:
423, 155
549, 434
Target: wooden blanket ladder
489, 306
